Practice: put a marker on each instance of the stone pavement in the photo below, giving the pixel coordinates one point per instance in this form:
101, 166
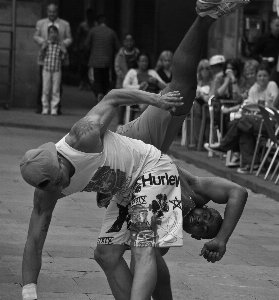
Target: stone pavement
249, 270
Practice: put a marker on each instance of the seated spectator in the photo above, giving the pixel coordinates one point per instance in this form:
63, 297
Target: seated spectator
241, 135
163, 66
125, 59
143, 78
247, 79
226, 86
204, 79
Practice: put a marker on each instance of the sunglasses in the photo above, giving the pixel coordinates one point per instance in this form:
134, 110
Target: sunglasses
205, 68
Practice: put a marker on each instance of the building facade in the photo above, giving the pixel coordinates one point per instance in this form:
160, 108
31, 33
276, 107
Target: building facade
157, 25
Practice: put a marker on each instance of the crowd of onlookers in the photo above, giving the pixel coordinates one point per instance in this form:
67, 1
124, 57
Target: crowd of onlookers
101, 61
229, 86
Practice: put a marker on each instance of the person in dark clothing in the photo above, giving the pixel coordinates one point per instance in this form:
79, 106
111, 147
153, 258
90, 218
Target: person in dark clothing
103, 44
83, 55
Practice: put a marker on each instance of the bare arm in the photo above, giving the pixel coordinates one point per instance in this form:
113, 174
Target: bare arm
105, 110
222, 191
44, 203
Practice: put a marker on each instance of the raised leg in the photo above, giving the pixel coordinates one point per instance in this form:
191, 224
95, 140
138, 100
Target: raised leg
185, 62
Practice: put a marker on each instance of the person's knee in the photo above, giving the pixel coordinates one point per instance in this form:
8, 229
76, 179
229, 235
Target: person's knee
143, 254
108, 256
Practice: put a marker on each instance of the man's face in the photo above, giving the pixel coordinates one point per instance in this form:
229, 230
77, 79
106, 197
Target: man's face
275, 27
52, 12
200, 223
62, 180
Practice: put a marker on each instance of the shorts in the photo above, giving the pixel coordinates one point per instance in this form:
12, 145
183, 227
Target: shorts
153, 218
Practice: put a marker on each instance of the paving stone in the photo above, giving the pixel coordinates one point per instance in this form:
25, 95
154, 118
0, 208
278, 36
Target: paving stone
98, 285
57, 284
63, 296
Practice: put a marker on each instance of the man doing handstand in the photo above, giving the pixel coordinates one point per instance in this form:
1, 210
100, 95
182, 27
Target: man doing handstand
90, 158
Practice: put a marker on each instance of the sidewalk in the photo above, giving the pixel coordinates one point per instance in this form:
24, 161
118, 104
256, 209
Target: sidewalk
77, 103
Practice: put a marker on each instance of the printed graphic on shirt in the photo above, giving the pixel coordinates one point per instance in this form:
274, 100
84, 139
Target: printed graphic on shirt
108, 181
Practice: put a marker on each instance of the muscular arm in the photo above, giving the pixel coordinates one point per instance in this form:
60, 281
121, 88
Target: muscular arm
105, 110
222, 191
44, 203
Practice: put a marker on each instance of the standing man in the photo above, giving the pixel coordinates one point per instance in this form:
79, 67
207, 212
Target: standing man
103, 44
41, 37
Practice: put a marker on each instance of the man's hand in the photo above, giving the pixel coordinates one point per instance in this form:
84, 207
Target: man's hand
152, 80
170, 100
143, 86
213, 250
44, 45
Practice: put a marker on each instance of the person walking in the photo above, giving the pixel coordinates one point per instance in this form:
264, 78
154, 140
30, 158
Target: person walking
82, 54
102, 43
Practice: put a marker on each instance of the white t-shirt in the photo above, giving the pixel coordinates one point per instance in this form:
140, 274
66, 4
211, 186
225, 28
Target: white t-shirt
114, 170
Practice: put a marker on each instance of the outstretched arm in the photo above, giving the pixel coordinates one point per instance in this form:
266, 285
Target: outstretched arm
222, 191
44, 203
105, 110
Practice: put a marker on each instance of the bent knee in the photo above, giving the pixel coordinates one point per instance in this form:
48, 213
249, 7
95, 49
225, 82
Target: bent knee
108, 255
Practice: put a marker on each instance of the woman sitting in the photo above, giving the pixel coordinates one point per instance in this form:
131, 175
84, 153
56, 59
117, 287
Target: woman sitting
143, 78
247, 79
163, 66
204, 79
226, 86
241, 135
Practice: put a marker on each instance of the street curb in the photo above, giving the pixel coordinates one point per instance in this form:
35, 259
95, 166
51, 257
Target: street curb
35, 127
217, 166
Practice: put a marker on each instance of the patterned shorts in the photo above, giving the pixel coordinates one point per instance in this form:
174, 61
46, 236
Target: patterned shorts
153, 218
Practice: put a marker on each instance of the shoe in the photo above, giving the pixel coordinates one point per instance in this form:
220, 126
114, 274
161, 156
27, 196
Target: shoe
45, 111
218, 8
214, 148
235, 161
54, 113
246, 169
